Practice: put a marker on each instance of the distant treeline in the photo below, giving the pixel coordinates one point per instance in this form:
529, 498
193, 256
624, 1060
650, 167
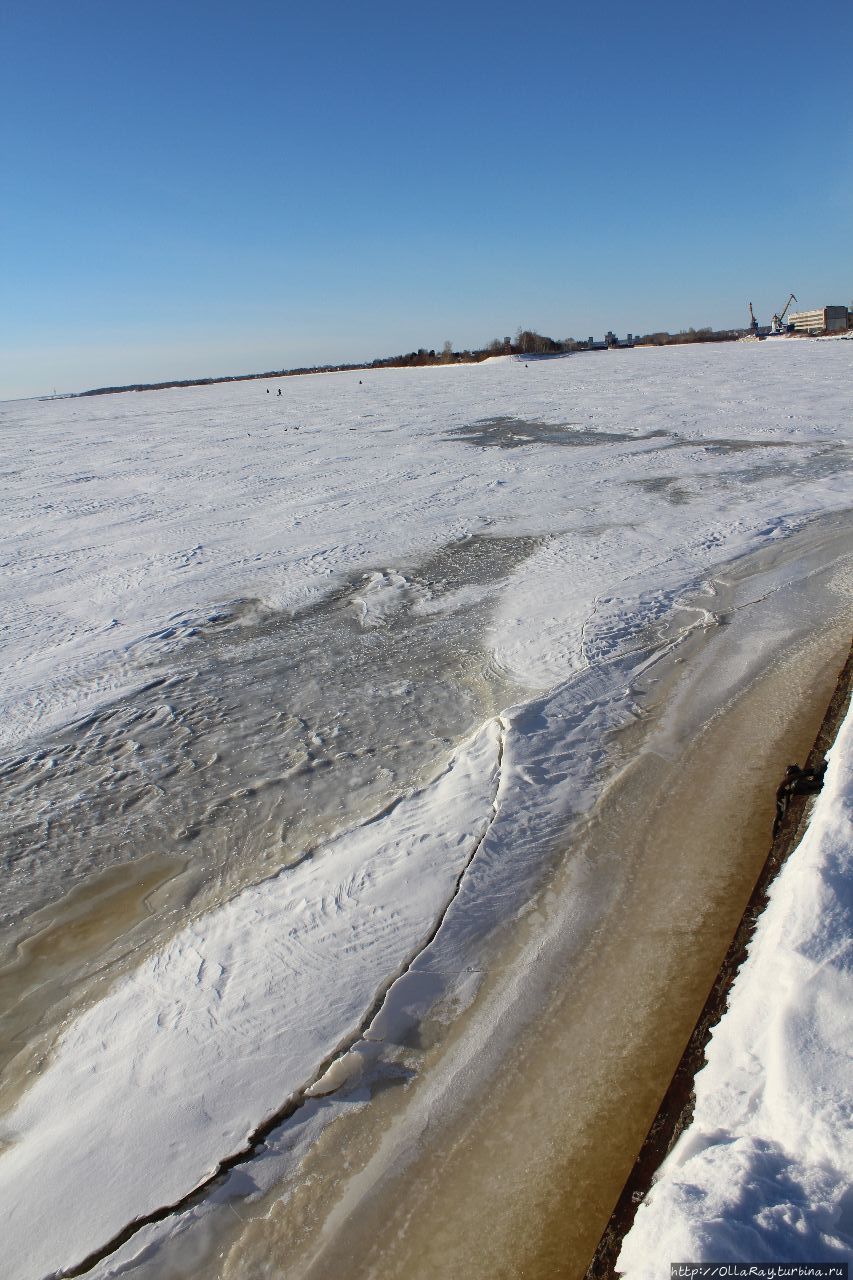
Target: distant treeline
526, 342
688, 335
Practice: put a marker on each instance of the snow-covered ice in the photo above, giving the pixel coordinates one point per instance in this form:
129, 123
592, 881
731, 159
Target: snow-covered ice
762, 1173
128, 518
178, 1064
129, 522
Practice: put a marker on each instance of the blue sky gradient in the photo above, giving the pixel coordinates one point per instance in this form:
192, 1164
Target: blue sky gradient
209, 188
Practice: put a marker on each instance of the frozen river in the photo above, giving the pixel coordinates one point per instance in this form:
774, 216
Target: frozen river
300, 698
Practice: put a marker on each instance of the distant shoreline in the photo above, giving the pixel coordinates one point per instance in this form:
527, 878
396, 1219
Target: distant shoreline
528, 345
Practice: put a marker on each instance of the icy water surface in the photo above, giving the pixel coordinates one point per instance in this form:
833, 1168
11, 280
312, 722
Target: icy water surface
425, 1180
271, 733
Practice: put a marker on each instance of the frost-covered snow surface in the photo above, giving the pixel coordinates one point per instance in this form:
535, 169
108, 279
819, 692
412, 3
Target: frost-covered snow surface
381, 532
762, 1174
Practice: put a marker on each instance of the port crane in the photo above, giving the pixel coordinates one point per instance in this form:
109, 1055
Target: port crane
753, 323
777, 324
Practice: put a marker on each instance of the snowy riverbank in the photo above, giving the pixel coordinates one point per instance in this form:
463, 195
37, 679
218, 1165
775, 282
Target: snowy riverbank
762, 1172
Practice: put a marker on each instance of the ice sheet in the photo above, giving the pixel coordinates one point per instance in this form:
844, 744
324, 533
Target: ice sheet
130, 520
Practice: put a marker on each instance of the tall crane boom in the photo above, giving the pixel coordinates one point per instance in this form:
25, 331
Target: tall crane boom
778, 322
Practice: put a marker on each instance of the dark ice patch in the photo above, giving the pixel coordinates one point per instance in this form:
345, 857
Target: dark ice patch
515, 433
666, 487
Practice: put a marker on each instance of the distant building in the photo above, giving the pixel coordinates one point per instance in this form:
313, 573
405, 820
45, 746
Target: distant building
823, 320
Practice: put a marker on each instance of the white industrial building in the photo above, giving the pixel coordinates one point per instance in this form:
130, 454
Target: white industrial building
823, 320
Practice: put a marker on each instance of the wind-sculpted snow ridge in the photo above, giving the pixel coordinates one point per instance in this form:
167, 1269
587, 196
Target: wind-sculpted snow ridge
762, 1173
151, 1089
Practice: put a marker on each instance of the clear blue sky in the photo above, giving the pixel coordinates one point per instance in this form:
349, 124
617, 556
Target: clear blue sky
199, 187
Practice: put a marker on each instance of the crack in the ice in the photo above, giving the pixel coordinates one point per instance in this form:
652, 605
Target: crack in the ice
298, 1099
586, 622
